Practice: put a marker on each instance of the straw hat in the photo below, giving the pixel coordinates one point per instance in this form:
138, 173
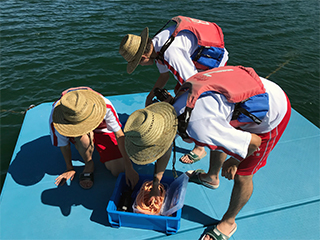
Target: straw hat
149, 132
132, 47
78, 113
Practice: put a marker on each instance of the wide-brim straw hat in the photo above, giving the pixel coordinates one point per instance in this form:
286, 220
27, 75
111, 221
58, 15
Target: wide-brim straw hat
149, 132
132, 47
78, 113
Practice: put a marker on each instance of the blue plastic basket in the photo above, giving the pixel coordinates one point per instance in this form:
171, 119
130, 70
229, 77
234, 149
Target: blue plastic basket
168, 224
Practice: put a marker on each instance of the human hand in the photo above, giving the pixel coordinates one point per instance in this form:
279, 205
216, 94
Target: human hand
149, 99
169, 99
154, 195
132, 177
229, 168
69, 174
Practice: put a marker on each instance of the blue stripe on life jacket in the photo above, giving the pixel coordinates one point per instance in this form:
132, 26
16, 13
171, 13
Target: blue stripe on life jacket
210, 57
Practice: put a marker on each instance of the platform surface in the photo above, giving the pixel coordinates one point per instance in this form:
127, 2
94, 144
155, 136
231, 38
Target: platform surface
285, 203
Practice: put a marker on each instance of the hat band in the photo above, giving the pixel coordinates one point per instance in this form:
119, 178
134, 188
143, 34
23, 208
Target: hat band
83, 119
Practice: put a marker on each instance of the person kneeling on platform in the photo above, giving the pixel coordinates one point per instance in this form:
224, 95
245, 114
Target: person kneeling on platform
86, 118
150, 132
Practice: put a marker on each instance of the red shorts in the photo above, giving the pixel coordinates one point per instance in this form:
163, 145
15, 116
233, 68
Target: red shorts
258, 159
107, 146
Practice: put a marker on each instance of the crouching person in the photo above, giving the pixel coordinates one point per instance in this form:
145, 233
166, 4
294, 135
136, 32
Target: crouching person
86, 119
149, 133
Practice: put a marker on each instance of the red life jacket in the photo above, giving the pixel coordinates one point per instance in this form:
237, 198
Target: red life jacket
236, 83
208, 34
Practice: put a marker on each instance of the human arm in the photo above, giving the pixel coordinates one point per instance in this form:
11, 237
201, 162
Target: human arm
132, 177
112, 123
254, 144
230, 166
159, 169
160, 83
70, 172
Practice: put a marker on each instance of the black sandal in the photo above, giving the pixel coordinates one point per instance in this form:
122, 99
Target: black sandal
86, 177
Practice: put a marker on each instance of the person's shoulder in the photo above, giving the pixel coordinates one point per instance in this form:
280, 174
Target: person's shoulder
108, 102
104, 98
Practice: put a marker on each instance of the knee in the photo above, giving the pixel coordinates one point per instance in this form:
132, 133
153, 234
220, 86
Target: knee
243, 179
115, 172
84, 143
114, 167
112, 170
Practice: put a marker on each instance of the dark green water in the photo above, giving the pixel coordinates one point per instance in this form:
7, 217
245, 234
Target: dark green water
48, 46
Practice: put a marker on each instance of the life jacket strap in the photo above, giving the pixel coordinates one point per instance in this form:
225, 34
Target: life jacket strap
198, 55
174, 171
238, 110
165, 45
164, 48
162, 28
183, 121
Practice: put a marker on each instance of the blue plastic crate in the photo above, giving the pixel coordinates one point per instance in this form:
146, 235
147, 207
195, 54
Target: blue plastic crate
167, 224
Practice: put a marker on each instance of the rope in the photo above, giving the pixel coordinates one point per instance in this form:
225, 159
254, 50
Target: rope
18, 112
145, 204
281, 66
11, 111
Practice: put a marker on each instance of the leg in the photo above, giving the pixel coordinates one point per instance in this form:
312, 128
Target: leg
115, 166
243, 185
216, 160
85, 147
241, 193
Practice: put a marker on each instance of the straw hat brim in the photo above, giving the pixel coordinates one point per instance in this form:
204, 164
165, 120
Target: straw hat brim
67, 129
142, 155
135, 62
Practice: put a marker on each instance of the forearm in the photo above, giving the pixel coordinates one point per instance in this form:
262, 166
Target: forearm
66, 152
160, 167
161, 81
254, 144
121, 144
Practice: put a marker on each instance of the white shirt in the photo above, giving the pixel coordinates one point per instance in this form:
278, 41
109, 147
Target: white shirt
178, 54
210, 120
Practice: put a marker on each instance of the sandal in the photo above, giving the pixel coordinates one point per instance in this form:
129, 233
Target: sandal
86, 177
193, 157
215, 234
194, 176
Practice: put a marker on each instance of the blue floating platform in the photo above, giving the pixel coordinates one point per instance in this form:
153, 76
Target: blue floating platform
285, 203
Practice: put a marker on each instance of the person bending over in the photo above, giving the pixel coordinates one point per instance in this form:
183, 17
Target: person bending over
86, 119
150, 131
